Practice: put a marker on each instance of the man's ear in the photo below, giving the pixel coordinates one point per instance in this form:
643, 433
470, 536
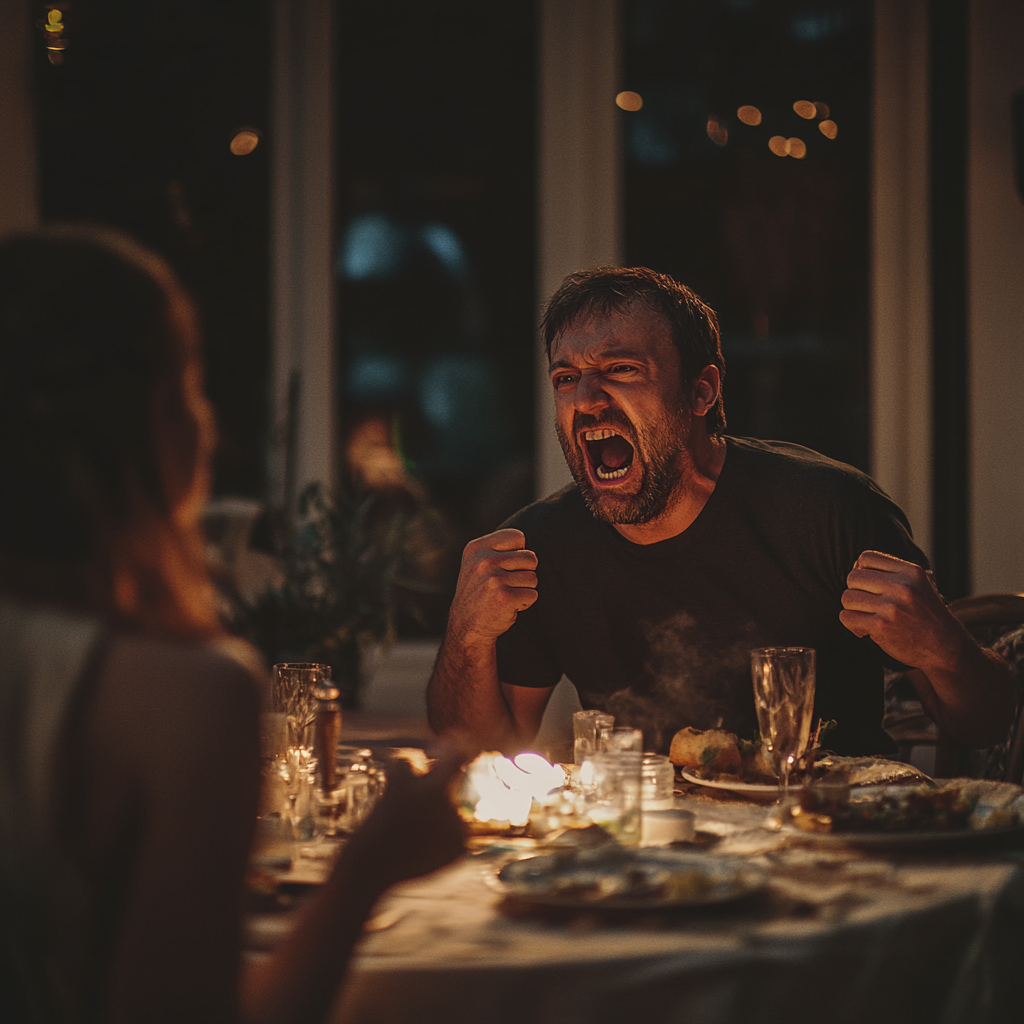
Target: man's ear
706, 389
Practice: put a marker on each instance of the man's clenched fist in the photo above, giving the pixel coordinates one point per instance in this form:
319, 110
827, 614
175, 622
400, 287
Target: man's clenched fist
496, 582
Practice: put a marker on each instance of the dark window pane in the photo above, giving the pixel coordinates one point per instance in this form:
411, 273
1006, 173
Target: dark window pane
435, 260
777, 244
135, 129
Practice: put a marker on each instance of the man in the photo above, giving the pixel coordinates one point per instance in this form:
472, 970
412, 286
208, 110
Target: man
679, 550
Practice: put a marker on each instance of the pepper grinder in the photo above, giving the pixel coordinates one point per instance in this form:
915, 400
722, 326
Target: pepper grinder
328, 733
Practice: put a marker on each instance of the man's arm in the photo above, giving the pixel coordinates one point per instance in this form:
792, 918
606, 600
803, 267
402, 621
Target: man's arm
464, 695
967, 690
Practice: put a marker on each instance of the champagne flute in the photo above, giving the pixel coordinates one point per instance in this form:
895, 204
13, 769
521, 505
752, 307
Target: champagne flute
784, 698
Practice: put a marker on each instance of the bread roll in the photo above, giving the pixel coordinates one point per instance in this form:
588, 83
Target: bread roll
711, 748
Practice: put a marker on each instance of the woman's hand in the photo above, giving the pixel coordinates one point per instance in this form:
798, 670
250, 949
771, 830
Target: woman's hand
415, 828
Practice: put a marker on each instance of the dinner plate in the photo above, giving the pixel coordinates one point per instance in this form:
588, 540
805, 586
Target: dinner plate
712, 880
736, 786
907, 840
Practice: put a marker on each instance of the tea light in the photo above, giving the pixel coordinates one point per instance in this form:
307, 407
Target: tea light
663, 827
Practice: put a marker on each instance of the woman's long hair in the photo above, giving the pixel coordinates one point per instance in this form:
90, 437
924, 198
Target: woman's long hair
105, 432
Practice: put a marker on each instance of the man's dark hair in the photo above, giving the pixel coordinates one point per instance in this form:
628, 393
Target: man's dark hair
605, 290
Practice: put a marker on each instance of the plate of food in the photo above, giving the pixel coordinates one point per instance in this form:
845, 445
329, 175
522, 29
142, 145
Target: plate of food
612, 877
958, 811
720, 760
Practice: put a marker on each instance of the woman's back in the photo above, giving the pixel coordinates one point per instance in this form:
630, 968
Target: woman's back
117, 750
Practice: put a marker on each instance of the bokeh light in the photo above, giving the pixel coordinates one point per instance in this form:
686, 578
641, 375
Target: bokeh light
245, 141
822, 109
805, 109
717, 132
779, 145
797, 148
631, 101
829, 129
749, 115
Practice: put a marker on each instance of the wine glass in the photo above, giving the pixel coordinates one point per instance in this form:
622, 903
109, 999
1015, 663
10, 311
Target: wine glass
784, 698
295, 689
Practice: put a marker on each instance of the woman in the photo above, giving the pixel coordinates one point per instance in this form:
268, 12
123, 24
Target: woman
129, 774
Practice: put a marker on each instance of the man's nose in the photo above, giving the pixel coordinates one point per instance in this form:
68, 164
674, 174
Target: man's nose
590, 395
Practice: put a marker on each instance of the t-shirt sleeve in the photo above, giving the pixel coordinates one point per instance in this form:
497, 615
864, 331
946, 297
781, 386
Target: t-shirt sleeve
875, 523
524, 656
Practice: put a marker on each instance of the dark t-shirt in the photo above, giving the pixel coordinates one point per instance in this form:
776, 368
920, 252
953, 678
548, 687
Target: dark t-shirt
660, 634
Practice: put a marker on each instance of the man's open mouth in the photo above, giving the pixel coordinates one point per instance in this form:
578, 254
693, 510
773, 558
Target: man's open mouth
610, 454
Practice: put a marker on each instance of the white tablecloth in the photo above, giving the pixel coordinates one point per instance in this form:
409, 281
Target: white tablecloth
839, 936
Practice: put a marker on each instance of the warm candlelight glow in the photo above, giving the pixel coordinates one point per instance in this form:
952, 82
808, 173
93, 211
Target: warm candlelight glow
503, 791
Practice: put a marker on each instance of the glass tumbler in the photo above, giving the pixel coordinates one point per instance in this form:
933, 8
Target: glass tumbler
621, 737
612, 797
657, 782
585, 728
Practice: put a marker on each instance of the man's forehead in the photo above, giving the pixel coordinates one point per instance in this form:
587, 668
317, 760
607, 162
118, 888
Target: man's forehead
638, 332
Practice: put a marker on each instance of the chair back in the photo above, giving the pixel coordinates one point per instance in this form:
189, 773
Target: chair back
987, 617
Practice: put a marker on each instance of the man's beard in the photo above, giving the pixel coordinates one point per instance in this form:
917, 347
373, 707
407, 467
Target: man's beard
660, 450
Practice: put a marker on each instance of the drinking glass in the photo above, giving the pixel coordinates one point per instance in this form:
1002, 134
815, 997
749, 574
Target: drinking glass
611, 796
657, 778
784, 698
620, 737
295, 690
585, 727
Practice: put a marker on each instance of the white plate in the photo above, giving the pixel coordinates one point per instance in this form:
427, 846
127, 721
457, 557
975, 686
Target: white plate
730, 879
735, 787
906, 840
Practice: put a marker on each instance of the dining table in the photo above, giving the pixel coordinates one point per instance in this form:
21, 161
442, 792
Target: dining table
918, 932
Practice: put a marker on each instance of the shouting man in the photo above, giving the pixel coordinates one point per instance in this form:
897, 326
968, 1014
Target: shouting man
679, 549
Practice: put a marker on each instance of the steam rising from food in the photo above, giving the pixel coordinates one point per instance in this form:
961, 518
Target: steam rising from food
687, 689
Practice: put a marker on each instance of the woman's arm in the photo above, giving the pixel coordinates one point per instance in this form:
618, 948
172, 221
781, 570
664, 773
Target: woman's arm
413, 831
173, 762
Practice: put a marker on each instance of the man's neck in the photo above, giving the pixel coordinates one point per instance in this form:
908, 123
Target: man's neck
704, 461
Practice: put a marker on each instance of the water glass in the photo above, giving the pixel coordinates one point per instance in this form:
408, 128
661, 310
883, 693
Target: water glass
611, 783
296, 685
657, 783
620, 737
585, 727
784, 698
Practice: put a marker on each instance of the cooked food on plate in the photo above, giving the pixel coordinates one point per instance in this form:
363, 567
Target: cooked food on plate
722, 757
611, 875
958, 805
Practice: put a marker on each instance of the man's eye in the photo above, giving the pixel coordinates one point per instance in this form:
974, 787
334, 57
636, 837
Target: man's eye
622, 368
562, 379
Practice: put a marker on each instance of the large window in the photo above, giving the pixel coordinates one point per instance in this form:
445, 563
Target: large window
747, 178
435, 261
135, 130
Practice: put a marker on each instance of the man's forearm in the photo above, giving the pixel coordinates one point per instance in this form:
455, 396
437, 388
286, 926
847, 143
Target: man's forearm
464, 696
972, 695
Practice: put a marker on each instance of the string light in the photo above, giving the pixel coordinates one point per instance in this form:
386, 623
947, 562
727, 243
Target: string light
245, 141
717, 132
